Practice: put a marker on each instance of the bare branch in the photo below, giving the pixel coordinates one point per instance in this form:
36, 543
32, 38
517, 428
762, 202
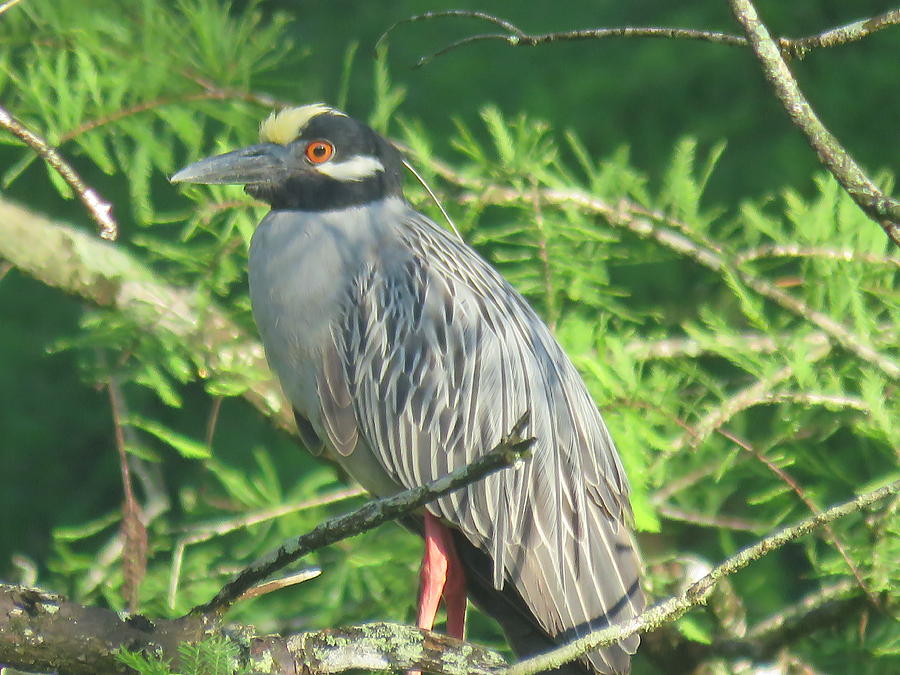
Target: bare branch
799, 47
696, 594
278, 584
723, 522
206, 531
880, 207
100, 210
510, 449
797, 251
516, 37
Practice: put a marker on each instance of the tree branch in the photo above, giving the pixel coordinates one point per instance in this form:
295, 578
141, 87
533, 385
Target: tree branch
697, 593
206, 531
510, 449
882, 208
45, 632
799, 47
100, 210
108, 276
516, 37
772, 54
797, 251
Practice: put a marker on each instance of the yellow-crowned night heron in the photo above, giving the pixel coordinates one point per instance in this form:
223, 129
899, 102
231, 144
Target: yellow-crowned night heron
405, 356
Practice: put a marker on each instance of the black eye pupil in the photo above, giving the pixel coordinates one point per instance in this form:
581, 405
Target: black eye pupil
319, 150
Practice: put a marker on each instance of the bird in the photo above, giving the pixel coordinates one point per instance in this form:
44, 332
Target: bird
406, 355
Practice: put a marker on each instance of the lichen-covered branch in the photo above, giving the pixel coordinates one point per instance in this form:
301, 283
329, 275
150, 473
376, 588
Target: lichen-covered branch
108, 276
42, 631
45, 632
851, 32
882, 208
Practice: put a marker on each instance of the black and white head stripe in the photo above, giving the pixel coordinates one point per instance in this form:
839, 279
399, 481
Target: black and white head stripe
285, 126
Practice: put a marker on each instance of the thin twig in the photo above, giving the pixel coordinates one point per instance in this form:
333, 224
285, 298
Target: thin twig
672, 512
279, 584
213, 420
516, 37
508, 451
680, 483
210, 92
206, 531
880, 207
712, 345
134, 531
788, 480
797, 251
100, 210
697, 593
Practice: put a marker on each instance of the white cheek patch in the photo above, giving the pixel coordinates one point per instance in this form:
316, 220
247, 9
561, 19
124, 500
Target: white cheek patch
356, 169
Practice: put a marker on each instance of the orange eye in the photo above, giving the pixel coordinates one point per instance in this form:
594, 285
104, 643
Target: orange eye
319, 151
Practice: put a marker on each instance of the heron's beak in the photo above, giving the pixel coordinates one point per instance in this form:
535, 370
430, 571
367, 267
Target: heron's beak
253, 165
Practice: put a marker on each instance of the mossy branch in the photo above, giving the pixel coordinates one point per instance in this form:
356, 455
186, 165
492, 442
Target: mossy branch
44, 631
880, 207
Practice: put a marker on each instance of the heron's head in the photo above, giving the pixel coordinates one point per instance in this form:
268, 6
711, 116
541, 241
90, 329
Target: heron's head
312, 158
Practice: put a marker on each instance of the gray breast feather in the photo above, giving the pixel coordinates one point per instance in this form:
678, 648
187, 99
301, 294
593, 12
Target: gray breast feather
430, 360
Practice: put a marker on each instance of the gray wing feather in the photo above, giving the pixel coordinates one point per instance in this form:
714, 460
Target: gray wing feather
338, 416
307, 433
435, 358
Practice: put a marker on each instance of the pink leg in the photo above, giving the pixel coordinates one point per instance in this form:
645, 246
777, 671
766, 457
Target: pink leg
441, 575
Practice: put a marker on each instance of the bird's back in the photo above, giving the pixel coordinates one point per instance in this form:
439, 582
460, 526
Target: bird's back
406, 349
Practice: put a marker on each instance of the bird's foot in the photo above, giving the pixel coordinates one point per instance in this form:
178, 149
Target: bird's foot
441, 576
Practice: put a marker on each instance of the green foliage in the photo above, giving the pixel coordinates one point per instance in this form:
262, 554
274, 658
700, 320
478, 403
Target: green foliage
213, 656
734, 411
